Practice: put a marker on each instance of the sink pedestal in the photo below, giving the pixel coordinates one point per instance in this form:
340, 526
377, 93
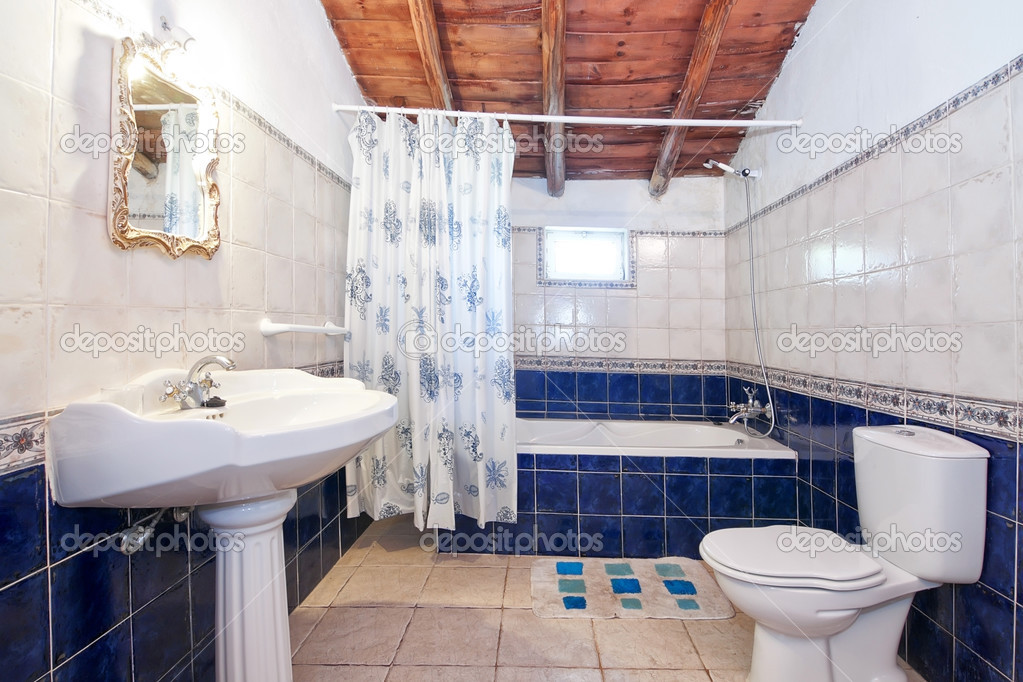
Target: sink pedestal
253, 643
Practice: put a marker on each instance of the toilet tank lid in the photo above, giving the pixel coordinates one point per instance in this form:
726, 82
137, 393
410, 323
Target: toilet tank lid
919, 440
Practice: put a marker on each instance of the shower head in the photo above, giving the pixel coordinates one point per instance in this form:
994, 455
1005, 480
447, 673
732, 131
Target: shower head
744, 173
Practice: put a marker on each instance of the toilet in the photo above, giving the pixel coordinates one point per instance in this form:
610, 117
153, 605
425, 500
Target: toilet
828, 610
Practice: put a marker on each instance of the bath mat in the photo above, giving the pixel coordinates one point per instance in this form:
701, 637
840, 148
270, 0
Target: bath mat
626, 588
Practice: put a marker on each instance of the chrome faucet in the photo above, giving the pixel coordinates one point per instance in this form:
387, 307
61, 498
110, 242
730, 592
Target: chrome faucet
750, 410
192, 392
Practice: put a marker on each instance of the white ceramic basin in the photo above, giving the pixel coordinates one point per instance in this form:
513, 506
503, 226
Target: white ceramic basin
280, 429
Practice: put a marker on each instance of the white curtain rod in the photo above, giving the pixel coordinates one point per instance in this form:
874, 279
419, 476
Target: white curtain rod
580, 120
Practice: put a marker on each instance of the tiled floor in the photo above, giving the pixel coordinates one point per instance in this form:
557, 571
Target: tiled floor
390, 610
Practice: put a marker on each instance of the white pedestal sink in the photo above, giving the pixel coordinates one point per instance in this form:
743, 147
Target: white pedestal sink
240, 465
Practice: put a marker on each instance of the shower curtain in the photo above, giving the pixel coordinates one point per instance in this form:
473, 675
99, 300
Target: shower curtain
181, 197
430, 312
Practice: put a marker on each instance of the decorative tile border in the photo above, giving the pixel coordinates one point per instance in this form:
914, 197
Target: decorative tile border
616, 365
108, 14
22, 441
890, 142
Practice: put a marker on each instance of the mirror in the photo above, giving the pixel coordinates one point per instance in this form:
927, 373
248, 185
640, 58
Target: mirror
163, 153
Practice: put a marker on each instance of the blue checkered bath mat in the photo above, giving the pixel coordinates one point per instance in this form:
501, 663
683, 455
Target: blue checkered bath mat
626, 588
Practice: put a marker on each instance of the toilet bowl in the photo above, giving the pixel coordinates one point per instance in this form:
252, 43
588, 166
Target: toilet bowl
816, 615
828, 610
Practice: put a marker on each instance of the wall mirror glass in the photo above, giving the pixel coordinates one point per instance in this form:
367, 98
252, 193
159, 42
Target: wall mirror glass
163, 153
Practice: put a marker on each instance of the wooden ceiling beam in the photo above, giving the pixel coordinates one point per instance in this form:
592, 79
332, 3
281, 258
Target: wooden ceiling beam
424, 25
552, 20
712, 26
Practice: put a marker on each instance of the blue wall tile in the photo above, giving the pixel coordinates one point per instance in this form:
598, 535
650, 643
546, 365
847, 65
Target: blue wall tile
822, 468
930, 649
738, 466
642, 463
310, 569
847, 418
88, 596
556, 492
1000, 555
984, 622
655, 388
623, 388
25, 629
686, 495
825, 510
155, 571
643, 494
774, 497
1002, 467
561, 386
530, 385
600, 494
686, 465
683, 536
556, 462
731, 496
553, 533
643, 536
715, 391
822, 421
605, 529
107, 659
526, 490
592, 387
687, 389
22, 523
160, 634
609, 463
774, 467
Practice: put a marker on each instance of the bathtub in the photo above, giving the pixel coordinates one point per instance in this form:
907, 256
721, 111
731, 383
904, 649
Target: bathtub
644, 438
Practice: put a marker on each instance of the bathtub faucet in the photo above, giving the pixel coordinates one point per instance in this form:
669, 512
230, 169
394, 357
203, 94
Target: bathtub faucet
750, 410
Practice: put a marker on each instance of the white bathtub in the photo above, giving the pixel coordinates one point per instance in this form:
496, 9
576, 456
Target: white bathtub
644, 438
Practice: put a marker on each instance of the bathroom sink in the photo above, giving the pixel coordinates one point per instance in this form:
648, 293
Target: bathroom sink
280, 429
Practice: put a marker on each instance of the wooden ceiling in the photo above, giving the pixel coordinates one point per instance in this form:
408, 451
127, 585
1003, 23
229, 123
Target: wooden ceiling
712, 59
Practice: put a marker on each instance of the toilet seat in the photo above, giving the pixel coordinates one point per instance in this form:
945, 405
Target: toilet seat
791, 556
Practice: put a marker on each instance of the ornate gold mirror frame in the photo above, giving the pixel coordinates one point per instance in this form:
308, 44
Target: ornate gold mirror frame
143, 70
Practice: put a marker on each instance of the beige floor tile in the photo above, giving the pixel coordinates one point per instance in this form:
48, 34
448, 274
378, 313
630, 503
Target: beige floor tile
398, 550
528, 641
492, 560
913, 675
395, 525
464, 586
645, 643
656, 676
357, 552
355, 636
723, 644
301, 622
415, 673
383, 586
450, 636
517, 592
510, 674
523, 561
339, 673
728, 675
325, 592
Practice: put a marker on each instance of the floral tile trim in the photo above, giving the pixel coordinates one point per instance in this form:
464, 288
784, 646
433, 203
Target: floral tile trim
583, 364
22, 441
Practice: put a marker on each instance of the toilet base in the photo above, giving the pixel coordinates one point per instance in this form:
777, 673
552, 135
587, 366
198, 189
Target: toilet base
864, 652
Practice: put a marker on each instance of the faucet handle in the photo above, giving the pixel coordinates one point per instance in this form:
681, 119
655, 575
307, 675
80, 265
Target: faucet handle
750, 391
172, 391
208, 382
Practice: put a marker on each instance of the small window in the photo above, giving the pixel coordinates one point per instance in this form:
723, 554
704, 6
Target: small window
591, 256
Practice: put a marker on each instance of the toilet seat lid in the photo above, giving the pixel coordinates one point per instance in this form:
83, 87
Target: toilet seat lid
793, 554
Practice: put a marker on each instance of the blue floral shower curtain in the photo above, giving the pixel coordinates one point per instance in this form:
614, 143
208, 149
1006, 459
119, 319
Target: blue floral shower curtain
430, 312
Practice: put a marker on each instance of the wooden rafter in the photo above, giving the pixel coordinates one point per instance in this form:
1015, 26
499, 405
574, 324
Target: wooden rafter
712, 25
424, 24
553, 46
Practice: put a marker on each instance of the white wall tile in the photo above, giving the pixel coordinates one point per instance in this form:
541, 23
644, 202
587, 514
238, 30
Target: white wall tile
23, 358
308, 249
655, 281
79, 176
849, 249
76, 374
849, 202
154, 280
982, 211
559, 309
884, 298
280, 283
26, 43
925, 169
930, 370
652, 252
926, 227
26, 121
850, 302
82, 265
249, 165
985, 367
652, 313
983, 287
984, 127
882, 182
279, 171
882, 240
305, 281
248, 279
820, 210
929, 293
303, 183
23, 275
248, 215
280, 228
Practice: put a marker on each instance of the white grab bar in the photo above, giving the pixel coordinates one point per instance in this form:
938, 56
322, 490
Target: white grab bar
268, 328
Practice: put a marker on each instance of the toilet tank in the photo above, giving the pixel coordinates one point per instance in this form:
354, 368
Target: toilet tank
922, 498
